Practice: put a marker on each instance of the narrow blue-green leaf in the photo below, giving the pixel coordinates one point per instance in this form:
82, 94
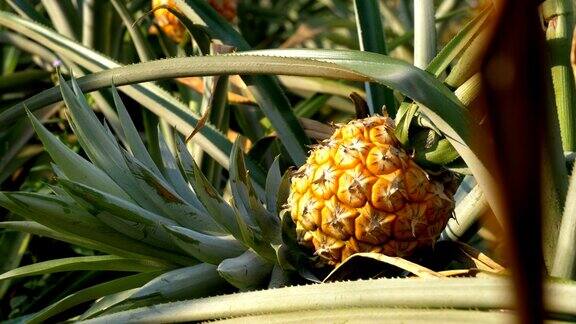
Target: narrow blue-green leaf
10, 59
151, 234
219, 209
73, 165
206, 248
185, 160
273, 181
277, 109
102, 201
102, 149
201, 13
257, 225
173, 174
135, 143
279, 278
283, 191
41, 230
268, 222
99, 263
106, 302
92, 293
87, 123
145, 53
190, 282
431, 149
319, 85
66, 216
239, 184
247, 272
169, 202
29, 46
123, 216
372, 39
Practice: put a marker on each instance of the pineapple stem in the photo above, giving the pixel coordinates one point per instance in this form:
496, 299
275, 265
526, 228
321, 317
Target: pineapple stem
558, 16
360, 105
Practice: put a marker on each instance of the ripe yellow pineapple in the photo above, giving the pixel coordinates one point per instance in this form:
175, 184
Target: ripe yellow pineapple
167, 21
172, 27
359, 191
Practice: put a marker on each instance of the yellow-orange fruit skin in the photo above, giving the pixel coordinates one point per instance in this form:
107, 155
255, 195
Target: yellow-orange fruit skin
172, 27
359, 191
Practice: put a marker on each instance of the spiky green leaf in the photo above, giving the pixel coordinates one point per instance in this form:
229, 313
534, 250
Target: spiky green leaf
92, 293
100, 262
206, 248
425, 294
190, 282
247, 271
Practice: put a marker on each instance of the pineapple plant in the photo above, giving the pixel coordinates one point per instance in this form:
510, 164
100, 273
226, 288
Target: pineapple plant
158, 217
189, 223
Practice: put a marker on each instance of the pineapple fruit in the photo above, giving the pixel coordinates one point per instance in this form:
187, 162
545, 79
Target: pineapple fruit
167, 21
172, 27
359, 191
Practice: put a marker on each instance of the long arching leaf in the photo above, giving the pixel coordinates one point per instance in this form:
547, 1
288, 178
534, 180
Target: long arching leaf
99, 262
440, 105
461, 293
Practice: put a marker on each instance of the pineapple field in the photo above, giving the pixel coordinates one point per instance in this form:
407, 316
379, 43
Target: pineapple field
287, 161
